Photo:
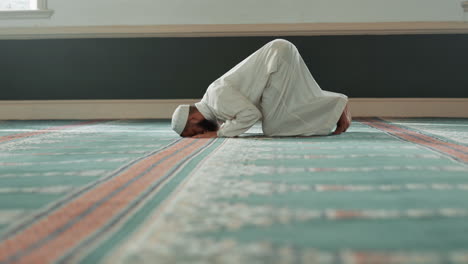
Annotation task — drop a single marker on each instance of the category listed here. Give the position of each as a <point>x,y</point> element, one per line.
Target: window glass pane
<point>15,4</point>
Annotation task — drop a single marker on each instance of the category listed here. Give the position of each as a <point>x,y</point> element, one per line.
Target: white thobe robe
<point>273,85</point>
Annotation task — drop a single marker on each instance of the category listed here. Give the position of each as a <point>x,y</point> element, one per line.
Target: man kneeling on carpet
<point>273,85</point>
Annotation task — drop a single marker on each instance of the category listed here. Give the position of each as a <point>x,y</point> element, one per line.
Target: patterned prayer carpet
<point>131,191</point>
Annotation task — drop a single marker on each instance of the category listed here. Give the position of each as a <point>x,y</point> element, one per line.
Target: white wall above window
<point>22,9</point>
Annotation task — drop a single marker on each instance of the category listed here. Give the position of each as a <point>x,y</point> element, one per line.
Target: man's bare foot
<point>344,122</point>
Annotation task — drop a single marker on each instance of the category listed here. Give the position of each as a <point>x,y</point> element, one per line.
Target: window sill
<point>26,14</point>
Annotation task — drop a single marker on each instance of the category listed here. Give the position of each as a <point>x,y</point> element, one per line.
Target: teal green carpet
<point>132,191</point>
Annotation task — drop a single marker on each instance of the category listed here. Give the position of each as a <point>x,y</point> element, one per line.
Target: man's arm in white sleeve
<point>243,115</point>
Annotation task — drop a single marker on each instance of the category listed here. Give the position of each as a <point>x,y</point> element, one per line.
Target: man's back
<point>272,84</point>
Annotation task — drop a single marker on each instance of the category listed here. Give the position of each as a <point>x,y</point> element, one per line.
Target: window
<point>15,5</point>
<point>465,8</point>
<point>11,9</point>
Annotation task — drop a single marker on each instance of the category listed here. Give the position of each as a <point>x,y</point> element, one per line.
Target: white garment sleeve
<point>240,114</point>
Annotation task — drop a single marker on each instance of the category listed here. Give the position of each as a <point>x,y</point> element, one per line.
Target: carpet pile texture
<point>131,191</point>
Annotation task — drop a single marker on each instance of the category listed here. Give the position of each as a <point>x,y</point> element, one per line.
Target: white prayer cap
<point>179,118</point>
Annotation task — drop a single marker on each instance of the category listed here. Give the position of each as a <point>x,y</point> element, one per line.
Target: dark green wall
<point>175,68</point>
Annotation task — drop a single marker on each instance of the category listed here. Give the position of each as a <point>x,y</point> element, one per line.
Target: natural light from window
<point>20,9</point>
<point>18,4</point>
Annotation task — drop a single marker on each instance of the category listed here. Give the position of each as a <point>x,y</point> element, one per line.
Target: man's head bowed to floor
<point>187,121</point>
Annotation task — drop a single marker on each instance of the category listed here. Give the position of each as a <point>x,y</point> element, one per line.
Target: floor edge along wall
<point>161,109</point>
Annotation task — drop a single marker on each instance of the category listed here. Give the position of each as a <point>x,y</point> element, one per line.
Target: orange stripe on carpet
<point>45,131</point>
<point>456,151</point>
<point>34,245</point>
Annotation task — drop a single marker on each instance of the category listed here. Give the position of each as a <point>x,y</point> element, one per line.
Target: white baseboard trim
<point>161,109</point>
<point>409,107</point>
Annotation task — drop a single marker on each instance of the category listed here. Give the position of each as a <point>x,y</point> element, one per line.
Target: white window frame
<point>465,8</point>
<point>38,10</point>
